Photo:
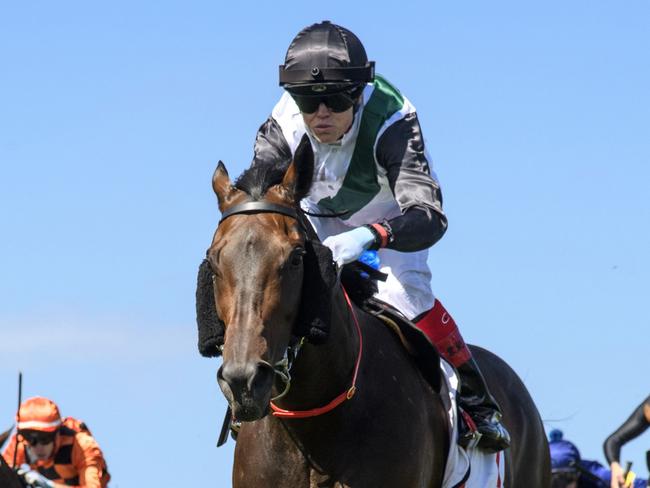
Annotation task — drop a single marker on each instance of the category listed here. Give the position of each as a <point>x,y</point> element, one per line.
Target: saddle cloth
<point>471,468</point>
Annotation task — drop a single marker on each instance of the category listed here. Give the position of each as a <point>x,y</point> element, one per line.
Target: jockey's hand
<point>618,475</point>
<point>348,246</point>
<point>34,478</point>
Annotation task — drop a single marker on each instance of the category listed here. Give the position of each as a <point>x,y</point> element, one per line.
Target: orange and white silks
<point>77,459</point>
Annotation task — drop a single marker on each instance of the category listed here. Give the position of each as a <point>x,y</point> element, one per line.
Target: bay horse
<point>4,436</point>
<point>358,412</point>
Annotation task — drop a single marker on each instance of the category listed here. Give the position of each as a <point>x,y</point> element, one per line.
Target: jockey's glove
<point>34,478</point>
<point>348,246</point>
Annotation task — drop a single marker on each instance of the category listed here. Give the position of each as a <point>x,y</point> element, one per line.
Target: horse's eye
<point>216,272</point>
<point>296,256</point>
<point>213,259</point>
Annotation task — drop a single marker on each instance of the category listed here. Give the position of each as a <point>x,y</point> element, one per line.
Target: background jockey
<point>570,471</point>
<point>633,427</point>
<point>54,452</point>
<point>371,165</point>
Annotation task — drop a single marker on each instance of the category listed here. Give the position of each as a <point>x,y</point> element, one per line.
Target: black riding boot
<point>475,398</point>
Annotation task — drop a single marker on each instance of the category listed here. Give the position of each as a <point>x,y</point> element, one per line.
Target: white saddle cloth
<point>472,468</point>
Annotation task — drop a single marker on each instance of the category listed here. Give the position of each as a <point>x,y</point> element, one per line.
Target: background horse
<point>387,426</point>
<point>4,436</point>
<point>8,477</point>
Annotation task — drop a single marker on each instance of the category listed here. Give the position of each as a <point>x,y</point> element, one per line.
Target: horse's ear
<point>221,183</point>
<point>299,174</point>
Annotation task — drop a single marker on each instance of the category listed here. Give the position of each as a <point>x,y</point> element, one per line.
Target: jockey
<point>633,427</point>
<point>53,452</point>
<point>372,170</point>
<point>570,471</point>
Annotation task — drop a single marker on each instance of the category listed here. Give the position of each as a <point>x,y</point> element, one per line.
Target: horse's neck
<point>8,478</point>
<point>4,436</point>
<point>322,372</point>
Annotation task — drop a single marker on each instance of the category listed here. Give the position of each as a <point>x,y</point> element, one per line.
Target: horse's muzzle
<point>247,387</point>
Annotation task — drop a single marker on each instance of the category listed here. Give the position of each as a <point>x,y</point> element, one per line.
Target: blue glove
<point>348,246</point>
<point>34,478</point>
<point>370,258</point>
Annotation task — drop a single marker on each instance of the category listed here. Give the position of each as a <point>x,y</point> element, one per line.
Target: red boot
<point>474,396</point>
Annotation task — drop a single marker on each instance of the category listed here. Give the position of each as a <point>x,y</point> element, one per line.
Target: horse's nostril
<point>236,375</point>
<point>246,379</point>
<point>263,378</point>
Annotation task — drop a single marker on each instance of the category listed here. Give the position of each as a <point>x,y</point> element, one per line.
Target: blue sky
<point>113,116</point>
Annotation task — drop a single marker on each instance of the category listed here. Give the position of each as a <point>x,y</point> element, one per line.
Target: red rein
<point>346,395</point>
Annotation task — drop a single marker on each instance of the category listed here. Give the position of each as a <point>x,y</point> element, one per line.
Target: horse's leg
<point>528,460</point>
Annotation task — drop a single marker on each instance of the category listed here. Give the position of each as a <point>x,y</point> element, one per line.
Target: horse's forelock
<point>259,178</point>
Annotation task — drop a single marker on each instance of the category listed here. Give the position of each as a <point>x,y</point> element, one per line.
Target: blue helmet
<point>564,454</point>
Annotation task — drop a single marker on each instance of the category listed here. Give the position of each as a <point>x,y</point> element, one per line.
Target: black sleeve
<point>633,427</point>
<point>270,145</point>
<point>400,150</point>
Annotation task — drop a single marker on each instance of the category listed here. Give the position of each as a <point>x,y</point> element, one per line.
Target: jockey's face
<point>328,126</point>
<point>42,452</point>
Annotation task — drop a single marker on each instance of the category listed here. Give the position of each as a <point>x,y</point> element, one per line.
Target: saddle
<point>426,358</point>
<point>487,469</point>
<point>422,351</point>
<point>362,280</point>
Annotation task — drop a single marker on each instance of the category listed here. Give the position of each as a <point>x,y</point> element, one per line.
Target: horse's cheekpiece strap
<point>259,207</point>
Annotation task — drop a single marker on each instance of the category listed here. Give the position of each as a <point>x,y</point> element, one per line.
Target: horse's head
<point>257,260</point>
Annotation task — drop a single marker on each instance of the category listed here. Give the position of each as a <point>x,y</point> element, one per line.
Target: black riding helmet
<point>325,59</point>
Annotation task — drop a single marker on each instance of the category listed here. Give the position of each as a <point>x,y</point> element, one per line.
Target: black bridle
<point>259,207</point>
<point>255,207</point>
<point>282,368</point>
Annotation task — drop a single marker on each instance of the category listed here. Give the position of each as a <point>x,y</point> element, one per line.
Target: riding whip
<point>20,399</point>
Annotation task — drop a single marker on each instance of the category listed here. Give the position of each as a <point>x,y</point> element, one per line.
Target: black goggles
<point>34,439</point>
<point>336,102</point>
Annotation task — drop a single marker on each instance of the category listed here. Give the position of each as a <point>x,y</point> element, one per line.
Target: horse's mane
<point>256,180</point>
<point>262,175</point>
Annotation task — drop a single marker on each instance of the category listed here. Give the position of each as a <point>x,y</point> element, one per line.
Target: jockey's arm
<point>633,427</point>
<point>89,461</point>
<point>89,477</point>
<point>270,145</point>
<point>400,151</point>
<point>9,450</point>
